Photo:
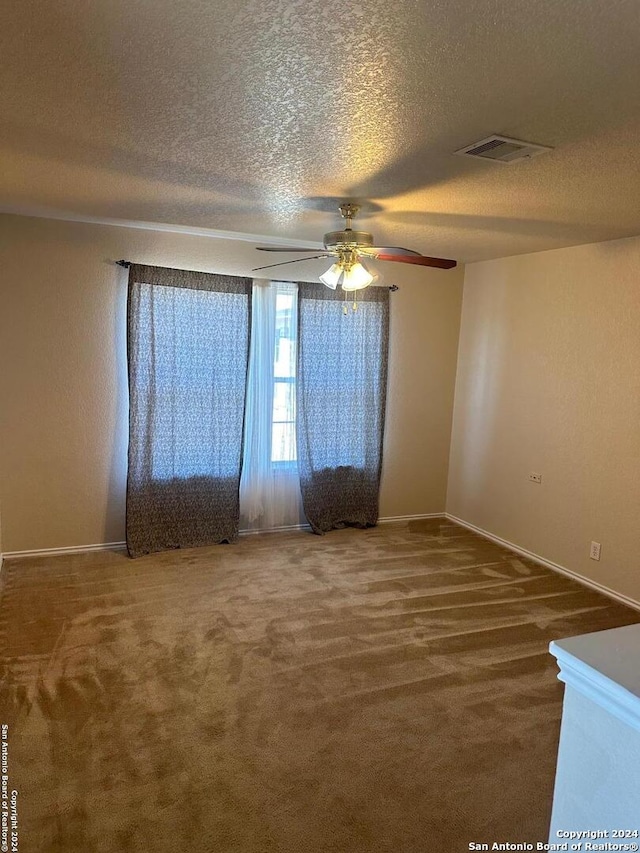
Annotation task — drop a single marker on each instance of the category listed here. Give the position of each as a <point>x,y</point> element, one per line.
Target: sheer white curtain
<point>270,483</point>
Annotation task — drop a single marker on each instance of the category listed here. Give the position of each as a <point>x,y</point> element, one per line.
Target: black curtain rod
<point>127,264</point>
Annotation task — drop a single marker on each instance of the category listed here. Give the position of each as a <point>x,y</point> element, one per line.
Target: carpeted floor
<point>379,690</point>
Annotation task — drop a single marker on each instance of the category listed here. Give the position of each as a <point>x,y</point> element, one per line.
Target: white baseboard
<point>283,529</point>
<point>511,546</point>
<point>73,549</point>
<point>121,546</point>
<point>388,519</point>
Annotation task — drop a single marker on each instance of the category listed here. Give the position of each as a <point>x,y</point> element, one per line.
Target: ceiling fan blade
<point>294,261</point>
<point>387,250</point>
<point>422,260</point>
<point>282,249</point>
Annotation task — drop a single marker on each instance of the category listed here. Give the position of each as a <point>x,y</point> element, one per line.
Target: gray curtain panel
<point>188,345</point>
<point>342,382</point>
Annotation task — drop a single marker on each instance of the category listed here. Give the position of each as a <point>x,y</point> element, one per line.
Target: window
<point>283,434</point>
<point>270,486</point>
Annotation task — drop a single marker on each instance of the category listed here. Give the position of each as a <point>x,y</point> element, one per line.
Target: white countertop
<point>605,667</point>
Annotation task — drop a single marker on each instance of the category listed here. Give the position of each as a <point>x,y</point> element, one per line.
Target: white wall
<point>63,390</point>
<point>549,381</point>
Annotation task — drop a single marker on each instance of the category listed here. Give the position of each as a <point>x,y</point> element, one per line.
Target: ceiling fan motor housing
<point>348,239</point>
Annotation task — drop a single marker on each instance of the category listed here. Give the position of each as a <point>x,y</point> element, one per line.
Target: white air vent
<point>502,149</point>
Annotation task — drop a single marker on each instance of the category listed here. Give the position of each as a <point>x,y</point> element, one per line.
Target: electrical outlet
<point>594,551</point>
<point>535,478</point>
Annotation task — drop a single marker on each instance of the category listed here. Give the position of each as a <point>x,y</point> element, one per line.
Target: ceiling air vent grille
<point>502,149</point>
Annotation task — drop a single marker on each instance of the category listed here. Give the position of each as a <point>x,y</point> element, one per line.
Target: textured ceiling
<point>258,117</point>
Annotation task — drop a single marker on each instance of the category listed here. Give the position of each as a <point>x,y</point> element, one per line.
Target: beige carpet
<point>379,690</point>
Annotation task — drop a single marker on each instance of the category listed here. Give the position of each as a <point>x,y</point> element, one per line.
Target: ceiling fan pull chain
<point>354,306</point>
<point>345,310</point>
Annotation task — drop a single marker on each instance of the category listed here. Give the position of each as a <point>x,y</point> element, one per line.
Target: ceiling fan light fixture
<point>331,277</point>
<point>357,277</point>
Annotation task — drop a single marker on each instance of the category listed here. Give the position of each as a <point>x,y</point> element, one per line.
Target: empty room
<point>319,426</point>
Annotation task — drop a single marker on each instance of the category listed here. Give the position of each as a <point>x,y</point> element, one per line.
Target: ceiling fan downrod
<point>348,212</point>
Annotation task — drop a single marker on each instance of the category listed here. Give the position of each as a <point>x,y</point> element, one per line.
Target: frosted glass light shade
<point>332,276</point>
<point>356,278</point>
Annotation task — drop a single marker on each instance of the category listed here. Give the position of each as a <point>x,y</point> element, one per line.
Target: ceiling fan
<point>351,248</point>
